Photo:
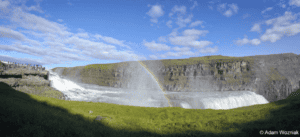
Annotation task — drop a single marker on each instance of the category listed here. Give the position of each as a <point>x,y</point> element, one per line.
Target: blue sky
<point>58,33</point>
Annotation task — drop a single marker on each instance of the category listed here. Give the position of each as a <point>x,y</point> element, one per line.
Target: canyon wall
<point>274,76</point>
<point>18,75</point>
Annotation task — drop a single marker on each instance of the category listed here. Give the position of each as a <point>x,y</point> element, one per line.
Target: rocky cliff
<point>273,76</point>
<point>28,80</point>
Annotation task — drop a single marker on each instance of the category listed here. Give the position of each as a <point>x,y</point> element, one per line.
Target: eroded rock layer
<point>273,76</point>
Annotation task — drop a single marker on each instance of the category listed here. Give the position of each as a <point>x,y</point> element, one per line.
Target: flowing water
<point>146,92</point>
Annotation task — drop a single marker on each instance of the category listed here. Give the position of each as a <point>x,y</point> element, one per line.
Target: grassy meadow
<point>29,115</point>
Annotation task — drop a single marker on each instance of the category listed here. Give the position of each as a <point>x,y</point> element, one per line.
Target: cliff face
<point>28,79</point>
<point>273,76</point>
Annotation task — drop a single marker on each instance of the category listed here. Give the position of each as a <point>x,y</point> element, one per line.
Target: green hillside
<point>36,116</point>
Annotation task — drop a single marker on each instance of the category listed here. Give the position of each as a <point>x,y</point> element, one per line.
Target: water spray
<point>156,79</point>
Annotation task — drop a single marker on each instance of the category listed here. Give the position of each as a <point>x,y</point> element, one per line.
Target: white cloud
<point>58,41</point>
<point>169,24</point>
<point>195,4</point>
<point>267,9</point>
<point>162,39</point>
<point>200,44</point>
<point>242,42</point>
<point>112,40</point>
<point>23,49</point>
<point>54,44</point>
<point>255,42</point>
<point>228,13</point>
<point>189,38</point>
<point>282,20</point>
<point>83,35</point>
<point>46,36</point>
<point>189,41</point>
<point>70,50</point>
<point>182,40</point>
<point>276,33</point>
<point>246,15</point>
<point>187,53</point>
<point>233,8</point>
<point>22,60</point>
<point>153,57</point>
<point>281,4</point>
<point>174,33</point>
<point>40,51</point>
<point>256,27</point>
<point>181,10</point>
<point>34,8</point>
<point>155,12</point>
<point>281,26</point>
<point>97,50</point>
<point>23,6</point>
<point>182,22</point>
<point>80,30</point>
<point>222,6</point>
<point>177,54</point>
<point>5,11</point>
<point>9,33</point>
<point>196,23</point>
<point>33,42</point>
<point>189,32</point>
<point>4,4</point>
<point>295,2</point>
<point>209,50</point>
<point>181,49</point>
<point>210,6</point>
<point>271,37</point>
<point>35,23</point>
<point>59,20</point>
<point>247,41</point>
<point>211,2</point>
<point>156,46</point>
<point>163,56</point>
<point>112,55</point>
<point>154,20</point>
<point>87,44</point>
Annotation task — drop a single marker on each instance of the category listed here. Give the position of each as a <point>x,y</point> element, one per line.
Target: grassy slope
<point>32,115</point>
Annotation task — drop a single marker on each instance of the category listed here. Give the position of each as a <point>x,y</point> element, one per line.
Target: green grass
<point>24,114</point>
<point>44,91</point>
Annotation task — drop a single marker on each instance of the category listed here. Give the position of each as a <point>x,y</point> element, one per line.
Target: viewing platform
<point>16,70</point>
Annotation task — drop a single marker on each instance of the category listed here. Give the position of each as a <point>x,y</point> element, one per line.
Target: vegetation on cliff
<point>266,75</point>
<point>107,74</point>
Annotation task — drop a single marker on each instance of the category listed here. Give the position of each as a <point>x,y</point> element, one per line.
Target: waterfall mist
<point>144,91</point>
<point>141,80</point>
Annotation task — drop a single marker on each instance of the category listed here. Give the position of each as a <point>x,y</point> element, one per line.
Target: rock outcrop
<point>273,76</point>
<point>27,80</point>
<point>19,73</point>
<point>32,81</point>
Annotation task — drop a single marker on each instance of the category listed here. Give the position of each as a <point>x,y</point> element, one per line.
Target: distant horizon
<point>146,60</point>
<point>77,33</point>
